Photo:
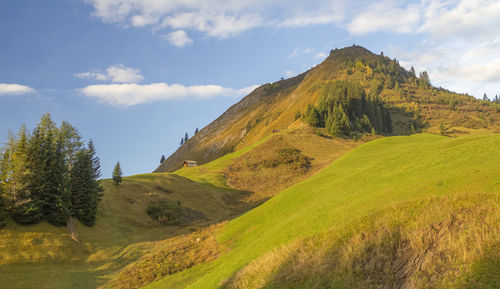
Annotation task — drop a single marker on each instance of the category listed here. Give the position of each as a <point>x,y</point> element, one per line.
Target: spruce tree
<point>162,159</point>
<point>186,137</point>
<point>182,141</point>
<point>117,174</point>
<point>72,142</point>
<point>55,194</point>
<point>85,185</point>
<point>3,214</point>
<point>196,131</point>
<point>17,189</point>
<point>297,115</point>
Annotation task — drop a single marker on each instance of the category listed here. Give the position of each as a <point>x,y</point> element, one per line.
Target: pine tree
<point>182,141</point>
<point>297,115</point>
<point>56,195</point>
<point>196,131</point>
<point>412,72</point>
<point>3,214</point>
<point>186,137</point>
<point>85,185</point>
<point>425,81</point>
<point>117,174</point>
<point>72,142</point>
<point>442,130</point>
<point>17,189</point>
<point>162,159</point>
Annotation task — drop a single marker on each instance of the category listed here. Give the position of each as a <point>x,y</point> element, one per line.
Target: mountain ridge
<point>415,105</point>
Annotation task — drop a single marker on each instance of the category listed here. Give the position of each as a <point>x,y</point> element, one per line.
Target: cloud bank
<point>465,34</point>
<point>123,95</point>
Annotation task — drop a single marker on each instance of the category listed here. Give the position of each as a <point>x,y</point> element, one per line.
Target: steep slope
<point>414,105</point>
<point>426,198</point>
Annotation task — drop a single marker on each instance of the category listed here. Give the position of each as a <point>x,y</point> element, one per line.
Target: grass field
<point>385,200</point>
<point>43,256</point>
<point>380,176</point>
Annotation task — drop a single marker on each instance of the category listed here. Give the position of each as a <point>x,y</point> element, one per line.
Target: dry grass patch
<point>449,242</point>
<point>169,256</point>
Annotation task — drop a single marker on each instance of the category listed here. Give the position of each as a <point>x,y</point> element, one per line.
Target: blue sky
<point>135,75</point>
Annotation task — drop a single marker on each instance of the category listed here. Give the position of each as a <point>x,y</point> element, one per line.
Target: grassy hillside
<point>274,106</point>
<point>393,196</point>
<point>44,256</point>
<point>126,245</point>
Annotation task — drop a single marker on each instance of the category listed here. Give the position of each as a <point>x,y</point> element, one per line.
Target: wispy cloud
<point>299,51</point>
<point>386,16</point>
<point>218,18</point>
<point>321,55</point>
<point>123,95</point>
<point>115,73</point>
<point>179,38</point>
<point>14,89</point>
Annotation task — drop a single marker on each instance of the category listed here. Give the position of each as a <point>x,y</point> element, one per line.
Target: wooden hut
<point>190,163</point>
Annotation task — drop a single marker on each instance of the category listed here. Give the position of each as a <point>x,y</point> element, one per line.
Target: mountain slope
<point>414,105</point>
<point>385,176</point>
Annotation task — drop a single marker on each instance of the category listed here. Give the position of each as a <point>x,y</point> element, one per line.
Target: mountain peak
<point>350,51</point>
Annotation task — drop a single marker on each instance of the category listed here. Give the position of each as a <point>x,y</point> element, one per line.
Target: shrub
<point>165,212</point>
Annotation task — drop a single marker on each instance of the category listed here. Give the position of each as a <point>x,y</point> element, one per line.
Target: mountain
<point>375,206</point>
<point>414,105</point>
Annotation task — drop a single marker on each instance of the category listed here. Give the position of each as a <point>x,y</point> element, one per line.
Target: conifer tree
<point>196,131</point>
<point>72,142</point>
<point>186,137</point>
<point>182,141</point>
<point>3,214</point>
<point>117,174</point>
<point>17,189</point>
<point>297,115</point>
<point>85,185</point>
<point>162,159</point>
<point>55,201</point>
<point>36,175</point>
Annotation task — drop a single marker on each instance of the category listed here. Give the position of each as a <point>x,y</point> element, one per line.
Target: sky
<point>136,75</point>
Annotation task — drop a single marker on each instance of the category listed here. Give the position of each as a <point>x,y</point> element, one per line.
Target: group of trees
<point>49,174</point>
<point>495,99</point>
<point>344,108</point>
<point>185,138</point>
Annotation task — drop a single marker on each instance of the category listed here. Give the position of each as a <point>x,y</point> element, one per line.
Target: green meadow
<point>380,176</point>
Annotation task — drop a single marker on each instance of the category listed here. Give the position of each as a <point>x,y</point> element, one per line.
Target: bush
<point>165,212</point>
<point>26,214</point>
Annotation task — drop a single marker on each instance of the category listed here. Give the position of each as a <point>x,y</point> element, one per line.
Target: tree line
<point>49,174</point>
<point>344,108</point>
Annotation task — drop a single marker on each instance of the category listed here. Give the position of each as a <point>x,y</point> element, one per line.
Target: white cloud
<point>321,55</point>
<point>220,25</point>
<point>306,20</point>
<point>459,41</point>
<point>143,20</point>
<point>299,51</point>
<point>462,19</point>
<point>179,38</point>
<point>115,73</point>
<point>14,89</point>
<point>386,16</point>
<point>218,18</point>
<point>132,94</point>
